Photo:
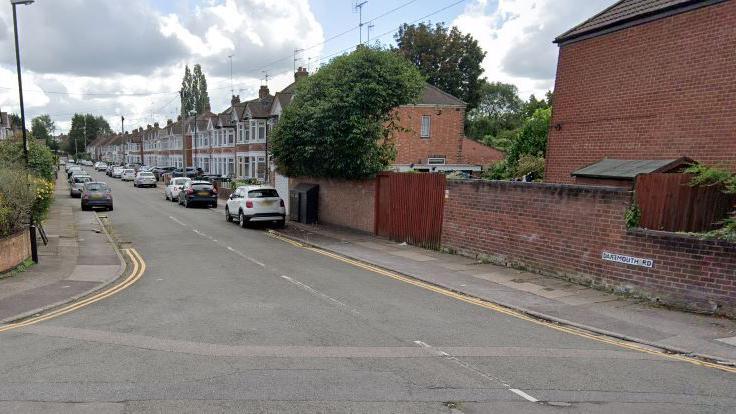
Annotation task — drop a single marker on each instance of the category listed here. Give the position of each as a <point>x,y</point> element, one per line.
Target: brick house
<point>646,80</point>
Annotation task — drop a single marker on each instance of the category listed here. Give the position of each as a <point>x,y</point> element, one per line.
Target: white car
<point>171,192</point>
<point>255,203</point>
<point>144,179</point>
<point>128,174</point>
<point>117,172</point>
<point>101,166</point>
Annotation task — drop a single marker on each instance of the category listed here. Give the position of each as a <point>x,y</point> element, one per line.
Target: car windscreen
<point>263,193</point>
<point>146,174</point>
<point>80,180</point>
<point>201,186</point>
<point>180,181</point>
<point>128,171</point>
<point>95,187</point>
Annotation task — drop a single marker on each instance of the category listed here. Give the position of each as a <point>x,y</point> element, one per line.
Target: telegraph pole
<point>359,7</point>
<point>232,90</point>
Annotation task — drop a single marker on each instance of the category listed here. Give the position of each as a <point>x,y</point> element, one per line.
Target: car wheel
<point>84,208</point>
<point>166,197</point>
<point>109,208</point>
<point>243,222</point>
<point>228,217</point>
<point>214,205</point>
<point>281,224</point>
<point>186,203</point>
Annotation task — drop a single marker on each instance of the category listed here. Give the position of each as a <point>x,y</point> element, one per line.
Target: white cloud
<point>517,36</point>
<point>86,47</point>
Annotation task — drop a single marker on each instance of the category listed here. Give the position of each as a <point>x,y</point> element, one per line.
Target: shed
<point>622,173</point>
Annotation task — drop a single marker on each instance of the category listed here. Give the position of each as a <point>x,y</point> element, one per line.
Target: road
<point>226,319</point>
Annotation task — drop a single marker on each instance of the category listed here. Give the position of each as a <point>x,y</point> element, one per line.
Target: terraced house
<point>235,141</point>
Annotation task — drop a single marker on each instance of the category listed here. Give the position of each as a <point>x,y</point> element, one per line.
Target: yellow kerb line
<point>507,311</point>
<point>139,267</point>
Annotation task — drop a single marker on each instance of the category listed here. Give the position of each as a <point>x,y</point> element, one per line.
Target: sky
<point>127,58</point>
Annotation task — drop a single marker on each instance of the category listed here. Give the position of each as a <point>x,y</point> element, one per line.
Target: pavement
<point>78,260</point>
<point>708,337</point>
<point>235,320</point>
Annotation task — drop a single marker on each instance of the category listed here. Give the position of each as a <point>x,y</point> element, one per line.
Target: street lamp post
<point>31,225</point>
<point>194,140</point>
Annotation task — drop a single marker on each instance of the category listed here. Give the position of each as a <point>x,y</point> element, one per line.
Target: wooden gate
<point>409,208</point>
<point>669,203</point>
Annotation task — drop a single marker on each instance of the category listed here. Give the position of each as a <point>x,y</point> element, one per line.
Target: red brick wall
<point>15,249</point>
<point>344,203</point>
<point>562,230</point>
<point>478,154</point>
<point>446,134</point>
<point>664,89</point>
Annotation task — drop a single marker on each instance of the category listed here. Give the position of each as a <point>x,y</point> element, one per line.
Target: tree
<point>533,104</point>
<point>448,59</point>
<point>40,159</point>
<point>193,93</point>
<point>199,89</point>
<point>85,129</point>
<point>43,128</point>
<point>342,120</point>
<point>532,139</point>
<point>499,109</point>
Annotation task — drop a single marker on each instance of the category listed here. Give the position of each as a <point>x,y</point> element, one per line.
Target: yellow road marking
<point>507,311</point>
<point>139,267</point>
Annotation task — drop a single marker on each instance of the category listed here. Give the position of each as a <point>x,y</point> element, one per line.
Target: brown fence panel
<point>409,208</point>
<point>669,203</point>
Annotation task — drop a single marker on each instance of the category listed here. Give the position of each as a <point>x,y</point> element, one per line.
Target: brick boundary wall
<point>344,203</point>
<point>14,250</point>
<point>563,230</point>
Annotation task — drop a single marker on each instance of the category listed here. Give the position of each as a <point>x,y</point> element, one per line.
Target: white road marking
<point>320,294</point>
<point>177,221</point>
<point>465,365</point>
<point>523,395</point>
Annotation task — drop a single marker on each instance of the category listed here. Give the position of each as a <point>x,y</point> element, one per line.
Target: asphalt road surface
<point>231,320</point>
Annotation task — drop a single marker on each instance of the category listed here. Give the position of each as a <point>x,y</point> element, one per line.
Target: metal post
<point>31,224</point>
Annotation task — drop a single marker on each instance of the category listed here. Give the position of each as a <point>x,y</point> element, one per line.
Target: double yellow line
<point>508,311</point>
<point>139,267</point>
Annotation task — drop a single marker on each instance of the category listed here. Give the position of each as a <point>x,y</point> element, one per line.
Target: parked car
<point>101,166</point>
<point>191,172</point>
<point>128,174</point>
<point>96,194</point>
<point>75,173</point>
<point>144,179</point>
<point>77,183</point>
<point>198,192</point>
<point>160,171</point>
<point>72,169</point>
<point>117,172</point>
<point>171,192</point>
<point>255,203</point>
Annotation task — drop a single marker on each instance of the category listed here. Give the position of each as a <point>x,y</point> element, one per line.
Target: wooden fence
<point>409,208</point>
<point>669,203</point>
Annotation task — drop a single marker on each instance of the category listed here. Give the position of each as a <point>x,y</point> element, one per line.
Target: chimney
<point>235,100</point>
<point>169,122</point>
<point>155,124</point>
<point>300,74</point>
<point>178,118</point>
<point>149,126</point>
<point>263,92</point>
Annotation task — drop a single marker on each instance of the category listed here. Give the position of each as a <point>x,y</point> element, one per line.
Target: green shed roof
<point>629,169</point>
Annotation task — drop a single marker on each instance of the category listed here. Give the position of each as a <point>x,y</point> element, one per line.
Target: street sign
<point>629,260</point>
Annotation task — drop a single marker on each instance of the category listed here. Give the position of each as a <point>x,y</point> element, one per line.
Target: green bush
<point>16,201</point>
<point>530,166</point>
<point>234,184</point>
<point>40,159</point>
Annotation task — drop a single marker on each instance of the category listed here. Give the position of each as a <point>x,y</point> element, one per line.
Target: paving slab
<point>79,259</point>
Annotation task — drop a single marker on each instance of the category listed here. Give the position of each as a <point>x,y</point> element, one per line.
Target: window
<point>261,130</point>
<point>246,131</point>
<point>436,161</point>
<point>253,129</point>
<point>230,136</point>
<point>230,166</point>
<point>426,126</point>
<point>240,132</point>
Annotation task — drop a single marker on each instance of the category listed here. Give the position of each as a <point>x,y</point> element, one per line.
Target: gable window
<point>426,126</point>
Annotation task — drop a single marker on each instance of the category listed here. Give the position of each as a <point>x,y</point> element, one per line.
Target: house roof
<point>626,13</point>
<point>260,107</point>
<point>432,95</point>
<point>629,169</point>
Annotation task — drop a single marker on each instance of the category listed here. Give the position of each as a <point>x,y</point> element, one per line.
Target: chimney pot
<point>235,100</point>
<point>300,73</point>
<point>169,122</point>
<point>178,118</point>
<point>155,124</point>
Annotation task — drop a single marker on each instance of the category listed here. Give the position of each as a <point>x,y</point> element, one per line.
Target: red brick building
<point>434,137</point>
<point>646,79</point>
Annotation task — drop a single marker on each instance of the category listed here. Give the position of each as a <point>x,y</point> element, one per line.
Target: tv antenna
<point>358,7</point>
<point>371,26</point>
<point>296,51</point>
